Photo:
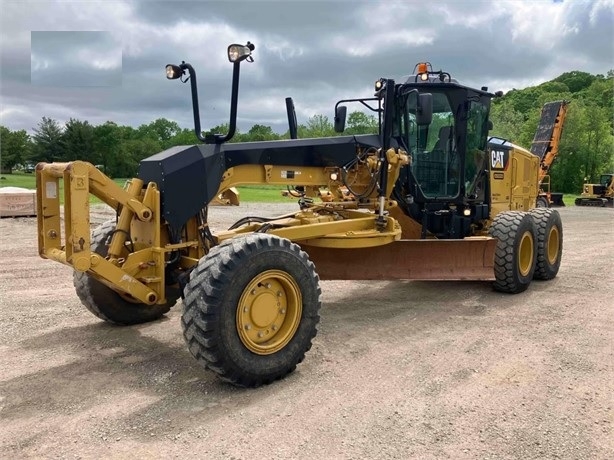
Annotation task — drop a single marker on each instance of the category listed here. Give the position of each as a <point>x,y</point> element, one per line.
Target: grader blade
<point>429,259</point>
<point>229,197</point>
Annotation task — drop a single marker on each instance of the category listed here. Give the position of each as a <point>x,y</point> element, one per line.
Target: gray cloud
<point>317,52</point>
<point>70,58</point>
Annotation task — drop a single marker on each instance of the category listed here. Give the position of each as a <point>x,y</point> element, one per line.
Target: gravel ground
<point>398,369</point>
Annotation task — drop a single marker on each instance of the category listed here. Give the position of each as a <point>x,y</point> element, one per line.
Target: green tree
<point>108,148</point>
<point>134,151</point>
<point>507,122</point>
<point>48,145</point>
<point>223,130</point>
<point>586,149</point>
<point>587,144</point>
<point>260,133</point>
<point>576,80</point>
<point>361,123</point>
<point>161,130</point>
<point>183,137</point>
<point>78,141</point>
<point>317,126</point>
<point>15,147</point>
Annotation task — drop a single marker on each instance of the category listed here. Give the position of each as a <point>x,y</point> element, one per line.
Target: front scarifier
<point>430,197</point>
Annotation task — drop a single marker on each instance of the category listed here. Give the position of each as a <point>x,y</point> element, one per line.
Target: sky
<point>100,60</point>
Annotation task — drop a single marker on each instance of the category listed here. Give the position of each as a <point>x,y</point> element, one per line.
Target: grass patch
<point>262,194</point>
<point>28,181</point>
<point>247,193</point>
<point>569,200</point>
<point>22,180</point>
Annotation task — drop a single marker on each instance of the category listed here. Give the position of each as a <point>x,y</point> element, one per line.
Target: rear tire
<point>549,243</point>
<point>107,304</point>
<point>515,253</point>
<point>251,309</point>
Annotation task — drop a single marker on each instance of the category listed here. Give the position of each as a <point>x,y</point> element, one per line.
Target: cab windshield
<point>436,155</point>
<point>605,179</point>
<point>435,162</point>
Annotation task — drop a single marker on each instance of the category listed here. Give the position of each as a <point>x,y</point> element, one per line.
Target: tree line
<point>118,149</point>
<point>586,149</point>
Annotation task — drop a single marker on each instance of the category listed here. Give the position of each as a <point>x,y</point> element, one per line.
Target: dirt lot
<point>398,369</point>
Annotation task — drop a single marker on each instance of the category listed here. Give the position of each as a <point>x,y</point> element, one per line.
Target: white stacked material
<point>17,202</point>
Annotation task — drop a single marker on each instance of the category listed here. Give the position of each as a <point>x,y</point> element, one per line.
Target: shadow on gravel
<point>384,300</point>
<point>110,365</point>
<point>108,362</point>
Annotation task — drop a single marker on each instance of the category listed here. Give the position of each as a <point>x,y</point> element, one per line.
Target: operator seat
<point>445,141</point>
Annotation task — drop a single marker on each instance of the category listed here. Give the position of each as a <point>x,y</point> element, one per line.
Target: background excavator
<point>430,197</point>
<point>601,194</point>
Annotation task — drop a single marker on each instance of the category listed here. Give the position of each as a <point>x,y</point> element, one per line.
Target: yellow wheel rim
<point>269,312</point>
<point>525,256</point>
<point>553,245</point>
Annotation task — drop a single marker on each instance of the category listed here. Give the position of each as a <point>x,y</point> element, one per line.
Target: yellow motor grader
<point>430,197</point>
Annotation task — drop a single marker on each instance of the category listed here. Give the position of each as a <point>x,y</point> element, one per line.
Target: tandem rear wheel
<point>549,243</point>
<point>251,309</point>
<point>516,250</point>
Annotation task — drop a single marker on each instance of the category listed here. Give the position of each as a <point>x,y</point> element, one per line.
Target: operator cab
<point>445,185</point>
<point>443,126</point>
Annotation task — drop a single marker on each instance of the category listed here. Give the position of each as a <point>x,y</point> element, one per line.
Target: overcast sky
<point>104,60</point>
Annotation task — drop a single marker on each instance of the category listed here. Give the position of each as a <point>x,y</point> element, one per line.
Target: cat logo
<point>498,159</point>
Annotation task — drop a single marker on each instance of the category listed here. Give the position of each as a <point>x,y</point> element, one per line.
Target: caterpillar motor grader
<point>431,197</point>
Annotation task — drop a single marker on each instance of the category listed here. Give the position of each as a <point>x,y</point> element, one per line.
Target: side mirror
<point>490,125</point>
<point>424,115</point>
<point>340,114</point>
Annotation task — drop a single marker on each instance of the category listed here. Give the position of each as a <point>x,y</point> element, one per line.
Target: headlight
<point>236,53</point>
<point>173,72</point>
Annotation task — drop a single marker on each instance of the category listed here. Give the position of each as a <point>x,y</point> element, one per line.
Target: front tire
<point>515,253</point>
<point>549,243</point>
<point>107,304</point>
<point>251,309</point>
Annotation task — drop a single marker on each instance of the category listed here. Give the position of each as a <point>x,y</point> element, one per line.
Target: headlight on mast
<point>173,72</point>
<point>237,53</point>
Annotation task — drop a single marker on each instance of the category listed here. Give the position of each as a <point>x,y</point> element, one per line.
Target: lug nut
<point>248,327</point>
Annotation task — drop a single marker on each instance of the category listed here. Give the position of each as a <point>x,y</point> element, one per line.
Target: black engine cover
<point>188,178</point>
